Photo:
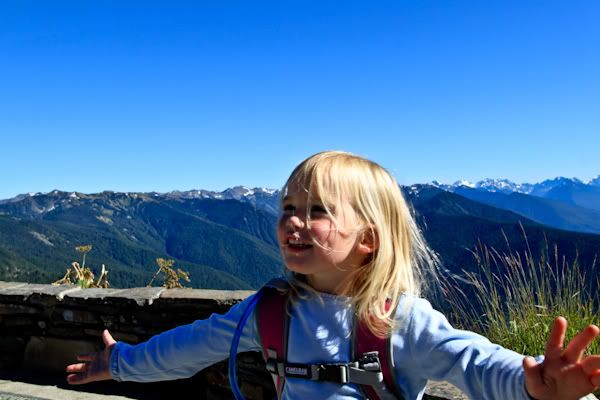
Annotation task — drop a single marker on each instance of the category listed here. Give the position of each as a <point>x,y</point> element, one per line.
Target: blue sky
<point>142,96</point>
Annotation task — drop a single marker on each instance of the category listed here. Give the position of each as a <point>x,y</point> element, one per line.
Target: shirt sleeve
<point>436,350</point>
<point>185,350</point>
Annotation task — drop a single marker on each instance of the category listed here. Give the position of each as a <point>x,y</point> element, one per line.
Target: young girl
<point>350,246</point>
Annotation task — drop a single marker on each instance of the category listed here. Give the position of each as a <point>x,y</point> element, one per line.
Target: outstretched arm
<point>174,354</point>
<point>565,373</point>
<point>95,366</point>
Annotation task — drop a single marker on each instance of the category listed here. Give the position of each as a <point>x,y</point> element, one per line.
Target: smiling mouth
<point>293,244</point>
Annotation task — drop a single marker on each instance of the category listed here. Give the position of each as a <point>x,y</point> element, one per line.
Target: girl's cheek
<point>320,232</point>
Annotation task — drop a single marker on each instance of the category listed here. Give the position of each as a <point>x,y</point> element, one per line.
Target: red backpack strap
<point>273,323</point>
<point>366,343</point>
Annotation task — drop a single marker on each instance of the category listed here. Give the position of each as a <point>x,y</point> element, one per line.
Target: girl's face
<point>324,252</point>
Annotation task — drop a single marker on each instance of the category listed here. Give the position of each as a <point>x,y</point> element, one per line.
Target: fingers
<point>591,365</point>
<point>580,342</point>
<point>107,338</point>
<point>555,342</point>
<point>77,374</point>
<point>595,380</point>
<point>533,375</point>
<point>77,379</point>
<point>95,361</point>
<point>76,367</point>
<point>108,341</point>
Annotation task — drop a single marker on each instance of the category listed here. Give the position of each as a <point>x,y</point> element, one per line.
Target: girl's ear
<point>369,240</point>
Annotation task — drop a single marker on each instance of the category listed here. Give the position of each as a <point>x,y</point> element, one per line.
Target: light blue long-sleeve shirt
<point>425,346</point>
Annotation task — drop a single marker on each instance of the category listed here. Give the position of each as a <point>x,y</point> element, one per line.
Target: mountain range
<point>561,202</point>
<point>227,239</point>
<point>213,239</point>
<point>507,186</point>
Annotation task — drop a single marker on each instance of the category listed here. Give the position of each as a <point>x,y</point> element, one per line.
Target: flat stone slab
<point>28,289</point>
<point>25,391</point>
<point>444,390</point>
<point>141,296</point>
<point>206,294</point>
<point>11,396</point>
<point>10,285</point>
<point>94,293</point>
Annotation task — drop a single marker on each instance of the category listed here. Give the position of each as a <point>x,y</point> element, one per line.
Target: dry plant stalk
<point>172,277</point>
<point>83,276</point>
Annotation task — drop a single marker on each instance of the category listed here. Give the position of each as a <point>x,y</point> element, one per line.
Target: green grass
<point>515,298</point>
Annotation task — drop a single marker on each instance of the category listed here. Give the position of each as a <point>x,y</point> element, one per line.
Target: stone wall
<point>43,327</point>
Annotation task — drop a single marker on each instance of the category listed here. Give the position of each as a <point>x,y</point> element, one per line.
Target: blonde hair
<point>401,257</point>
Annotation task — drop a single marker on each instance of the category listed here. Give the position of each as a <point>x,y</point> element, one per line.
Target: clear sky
<point>177,95</point>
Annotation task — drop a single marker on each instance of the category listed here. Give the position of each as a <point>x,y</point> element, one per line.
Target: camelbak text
<point>296,370</point>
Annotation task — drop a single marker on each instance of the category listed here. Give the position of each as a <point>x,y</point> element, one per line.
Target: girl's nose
<point>295,222</point>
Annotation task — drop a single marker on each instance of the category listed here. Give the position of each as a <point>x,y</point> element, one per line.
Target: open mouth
<point>294,244</point>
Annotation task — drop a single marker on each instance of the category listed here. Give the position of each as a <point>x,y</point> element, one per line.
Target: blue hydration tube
<point>236,341</point>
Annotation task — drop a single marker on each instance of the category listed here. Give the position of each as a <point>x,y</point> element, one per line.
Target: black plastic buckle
<point>271,365</point>
<point>370,361</point>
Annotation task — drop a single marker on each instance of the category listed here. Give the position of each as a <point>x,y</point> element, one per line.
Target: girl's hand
<point>564,374</point>
<point>95,366</point>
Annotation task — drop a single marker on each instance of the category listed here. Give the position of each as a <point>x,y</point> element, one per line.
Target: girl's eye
<point>317,210</point>
<point>289,209</point>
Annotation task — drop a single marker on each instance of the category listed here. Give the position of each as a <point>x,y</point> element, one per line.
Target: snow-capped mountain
<point>595,181</point>
<point>262,198</point>
<point>488,185</point>
<point>506,186</point>
<point>565,203</point>
<point>236,192</point>
<point>37,204</point>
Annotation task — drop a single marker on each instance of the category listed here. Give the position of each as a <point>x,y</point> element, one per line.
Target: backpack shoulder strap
<point>272,321</point>
<point>365,343</point>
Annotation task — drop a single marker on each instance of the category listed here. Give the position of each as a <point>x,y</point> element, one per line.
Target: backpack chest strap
<point>366,371</point>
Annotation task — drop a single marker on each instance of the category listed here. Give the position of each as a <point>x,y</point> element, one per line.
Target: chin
<point>298,269</point>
